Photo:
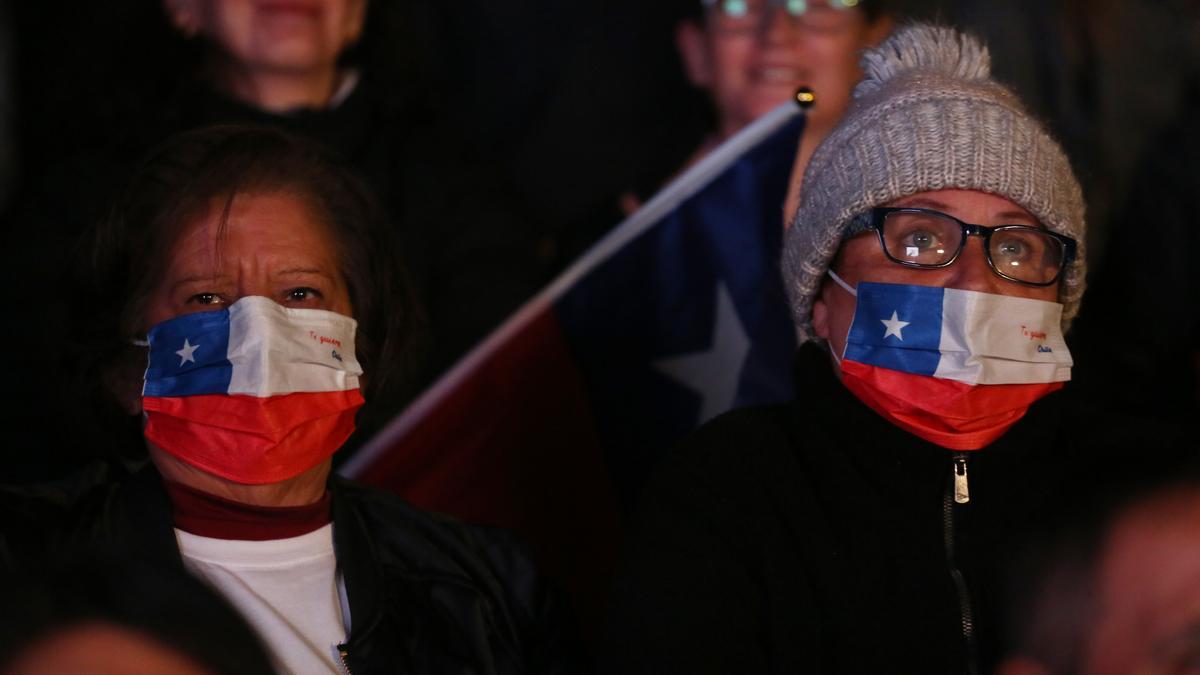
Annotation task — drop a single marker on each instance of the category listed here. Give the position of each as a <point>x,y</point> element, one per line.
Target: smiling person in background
<point>276,55</point>
<point>245,299</point>
<point>752,55</point>
<point>933,266</point>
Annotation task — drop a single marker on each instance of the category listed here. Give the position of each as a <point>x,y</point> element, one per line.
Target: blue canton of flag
<point>687,318</point>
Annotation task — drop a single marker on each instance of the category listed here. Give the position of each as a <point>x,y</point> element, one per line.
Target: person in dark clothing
<point>242,300</point>
<point>933,265</point>
<point>424,592</point>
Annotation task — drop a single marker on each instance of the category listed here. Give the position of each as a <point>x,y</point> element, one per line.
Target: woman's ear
<point>124,383</point>
<point>820,314</point>
<point>692,42</point>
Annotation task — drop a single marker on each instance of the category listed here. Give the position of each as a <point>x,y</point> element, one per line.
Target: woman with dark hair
<point>343,73</point>
<point>244,298</point>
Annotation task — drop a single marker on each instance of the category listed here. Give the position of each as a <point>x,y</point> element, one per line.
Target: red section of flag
<point>513,443</point>
<point>952,414</point>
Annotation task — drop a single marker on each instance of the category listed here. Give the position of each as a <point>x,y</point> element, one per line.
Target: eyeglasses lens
<point>745,15</point>
<point>1027,254</point>
<point>921,238</point>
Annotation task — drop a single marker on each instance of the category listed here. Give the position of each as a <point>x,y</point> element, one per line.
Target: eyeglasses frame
<point>711,5</point>
<point>874,219</point>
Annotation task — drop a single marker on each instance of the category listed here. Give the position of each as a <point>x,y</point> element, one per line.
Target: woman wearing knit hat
<point>934,264</point>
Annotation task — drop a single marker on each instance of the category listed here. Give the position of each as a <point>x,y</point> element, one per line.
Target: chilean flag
<point>928,349</point>
<point>551,424</point>
<point>226,388</point>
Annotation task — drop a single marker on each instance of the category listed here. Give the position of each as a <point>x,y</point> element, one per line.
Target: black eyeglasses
<point>928,239</point>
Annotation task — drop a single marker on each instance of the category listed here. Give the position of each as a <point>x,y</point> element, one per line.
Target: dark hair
<point>159,602</point>
<point>127,253</point>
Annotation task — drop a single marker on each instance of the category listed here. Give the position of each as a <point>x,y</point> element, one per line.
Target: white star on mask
<point>893,326</point>
<point>186,354</point>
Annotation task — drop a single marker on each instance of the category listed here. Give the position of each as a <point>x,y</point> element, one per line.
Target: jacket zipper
<point>341,653</point>
<point>958,492</point>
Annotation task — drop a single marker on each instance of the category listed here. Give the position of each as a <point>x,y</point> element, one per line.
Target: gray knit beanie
<point>927,116</point>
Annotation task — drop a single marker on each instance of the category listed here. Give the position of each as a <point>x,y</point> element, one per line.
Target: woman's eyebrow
<point>303,270</point>
<point>1016,215</point>
<point>927,203</point>
<point>922,202</point>
<point>197,279</point>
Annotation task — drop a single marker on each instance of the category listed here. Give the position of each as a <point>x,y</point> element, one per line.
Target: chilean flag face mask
<point>955,367</point>
<point>254,393</point>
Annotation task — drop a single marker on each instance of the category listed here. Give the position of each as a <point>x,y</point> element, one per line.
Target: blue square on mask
<point>189,356</point>
<point>897,326</point>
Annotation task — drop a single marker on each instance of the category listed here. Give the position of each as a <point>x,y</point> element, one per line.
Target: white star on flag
<point>893,326</point>
<point>185,354</point>
<point>714,372</point>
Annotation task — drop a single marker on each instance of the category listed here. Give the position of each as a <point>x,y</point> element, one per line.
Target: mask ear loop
<point>852,291</point>
<point>842,282</point>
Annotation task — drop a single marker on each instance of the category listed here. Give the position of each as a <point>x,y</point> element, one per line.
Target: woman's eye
<point>1016,248</point>
<point>302,294</point>
<point>205,299</point>
<point>922,239</point>
<point>919,244</point>
<point>1012,249</point>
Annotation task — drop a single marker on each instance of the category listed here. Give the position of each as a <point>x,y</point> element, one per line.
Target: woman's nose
<point>971,271</point>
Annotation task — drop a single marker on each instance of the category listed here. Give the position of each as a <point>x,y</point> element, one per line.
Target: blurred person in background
<point>112,615</point>
<point>752,55</point>
<point>1113,587</point>
<point>244,299</point>
<point>275,56</point>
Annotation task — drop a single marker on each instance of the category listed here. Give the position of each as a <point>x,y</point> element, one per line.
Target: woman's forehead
<point>983,208</point>
<point>275,224</point>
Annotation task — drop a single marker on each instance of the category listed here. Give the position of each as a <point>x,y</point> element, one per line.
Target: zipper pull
<point>339,657</point>
<point>962,493</point>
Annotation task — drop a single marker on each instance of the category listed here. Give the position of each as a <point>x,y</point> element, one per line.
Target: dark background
<point>576,102</point>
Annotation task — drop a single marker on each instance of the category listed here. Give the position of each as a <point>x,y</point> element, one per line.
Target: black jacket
<point>816,537</point>
<point>427,594</point>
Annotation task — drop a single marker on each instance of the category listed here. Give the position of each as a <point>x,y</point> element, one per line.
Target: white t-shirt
<point>288,589</point>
